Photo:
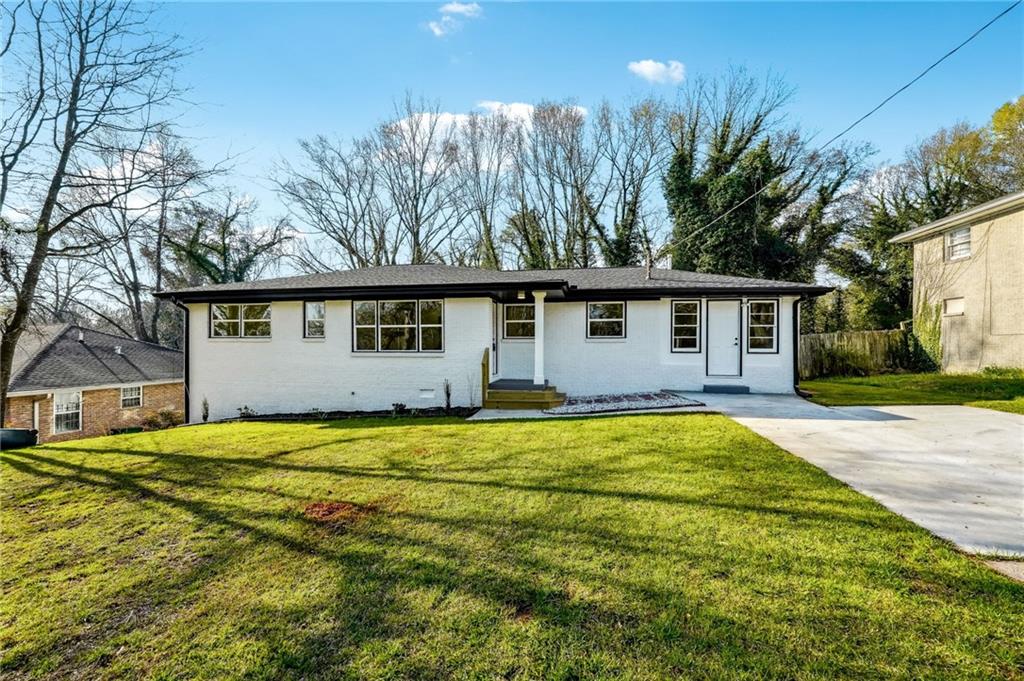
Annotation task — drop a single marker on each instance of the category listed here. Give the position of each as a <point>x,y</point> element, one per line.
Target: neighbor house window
<point>953,307</point>
<point>606,320</point>
<point>313,316</point>
<point>958,243</point>
<point>245,321</point>
<point>67,412</point>
<point>131,396</point>
<point>398,326</point>
<point>761,325</point>
<point>519,321</point>
<point>685,326</point>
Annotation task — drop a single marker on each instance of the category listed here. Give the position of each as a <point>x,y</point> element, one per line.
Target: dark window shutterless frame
<point>622,319</point>
<point>419,327</point>
<point>698,330</point>
<point>774,302</point>
<point>306,319</point>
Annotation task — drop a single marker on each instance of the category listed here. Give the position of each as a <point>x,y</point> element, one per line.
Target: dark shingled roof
<point>596,279</point>
<point>53,358</point>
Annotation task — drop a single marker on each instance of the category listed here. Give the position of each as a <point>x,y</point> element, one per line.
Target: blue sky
<point>265,74</point>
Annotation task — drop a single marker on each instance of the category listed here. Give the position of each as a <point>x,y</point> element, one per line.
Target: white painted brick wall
<point>288,373</point>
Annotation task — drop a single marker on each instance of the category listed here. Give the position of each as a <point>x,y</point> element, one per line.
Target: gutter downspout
<point>185,332</point>
<point>796,344</point>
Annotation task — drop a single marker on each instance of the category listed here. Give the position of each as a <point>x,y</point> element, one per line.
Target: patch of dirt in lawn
<point>341,515</point>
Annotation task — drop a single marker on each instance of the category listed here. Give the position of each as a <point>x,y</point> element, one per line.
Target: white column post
<point>538,337</point>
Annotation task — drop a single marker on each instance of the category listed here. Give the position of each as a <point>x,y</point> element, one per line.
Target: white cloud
<point>658,72</point>
<point>466,9</point>
<point>452,16</point>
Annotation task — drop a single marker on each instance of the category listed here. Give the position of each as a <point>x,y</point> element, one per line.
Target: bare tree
<point>484,155</point>
<point>416,153</point>
<point>338,192</point>
<point>89,79</point>
<point>635,156</point>
<point>556,186</point>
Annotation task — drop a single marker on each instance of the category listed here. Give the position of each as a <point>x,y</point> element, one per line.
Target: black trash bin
<point>13,438</point>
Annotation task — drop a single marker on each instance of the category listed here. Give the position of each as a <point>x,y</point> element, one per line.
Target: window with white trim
<point>314,314</point>
<point>240,321</point>
<point>131,396</point>
<point>958,243</point>
<point>520,321</point>
<point>606,320</point>
<point>685,326</point>
<point>398,326</point>
<point>762,318</point>
<point>67,412</point>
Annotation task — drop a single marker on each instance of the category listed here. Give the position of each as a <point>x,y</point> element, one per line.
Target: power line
<point>856,122</point>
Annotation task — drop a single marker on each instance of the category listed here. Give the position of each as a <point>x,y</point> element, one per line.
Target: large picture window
<point>67,412</point>
<point>519,321</point>
<point>398,326</point>
<point>685,326</point>
<point>958,243</point>
<point>762,325</point>
<point>606,320</point>
<point>313,316</point>
<point>240,321</point>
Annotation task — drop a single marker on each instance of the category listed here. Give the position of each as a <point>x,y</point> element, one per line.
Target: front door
<point>723,338</point>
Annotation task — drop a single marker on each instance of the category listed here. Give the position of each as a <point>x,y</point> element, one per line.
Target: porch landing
<point>512,393</point>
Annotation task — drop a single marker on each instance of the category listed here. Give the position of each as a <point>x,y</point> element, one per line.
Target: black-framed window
<point>520,320</point>
<point>314,314</point>
<point>240,320</point>
<point>762,325</point>
<point>398,326</point>
<point>686,317</point>
<point>606,320</point>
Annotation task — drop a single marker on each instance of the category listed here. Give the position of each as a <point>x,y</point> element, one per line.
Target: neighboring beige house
<point>969,275</point>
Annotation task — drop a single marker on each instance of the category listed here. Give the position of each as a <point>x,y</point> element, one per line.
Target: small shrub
<point>447,396</point>
<point>206,409</point>
<point>398,408</point>
<point>244,412</point>
<point>165,418</point>
<point>317,413</point>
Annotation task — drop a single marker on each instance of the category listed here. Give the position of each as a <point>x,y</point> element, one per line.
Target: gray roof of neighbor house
<point>53,357</point>
<point>992,209</point>
<point>449,280</point>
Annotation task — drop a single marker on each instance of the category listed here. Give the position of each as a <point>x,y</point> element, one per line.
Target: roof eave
<point>346,292</point>
<point>994,208</point>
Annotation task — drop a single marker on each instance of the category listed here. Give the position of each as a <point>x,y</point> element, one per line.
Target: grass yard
<point>646,546</point>
<point>1001,389</point>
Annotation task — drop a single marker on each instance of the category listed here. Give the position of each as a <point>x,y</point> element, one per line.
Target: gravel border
<point>597,404</point>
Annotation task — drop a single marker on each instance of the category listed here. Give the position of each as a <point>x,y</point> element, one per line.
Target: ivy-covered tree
<point>728,145</point>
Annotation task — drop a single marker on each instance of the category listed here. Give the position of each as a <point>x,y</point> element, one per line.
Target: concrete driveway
<point>957,471</point>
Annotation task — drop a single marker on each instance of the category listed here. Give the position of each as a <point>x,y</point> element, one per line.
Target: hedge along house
<point>370,338</point>
<point>69,382</point>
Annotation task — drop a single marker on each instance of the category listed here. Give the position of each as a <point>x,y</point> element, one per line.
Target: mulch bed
<point>430,412</point>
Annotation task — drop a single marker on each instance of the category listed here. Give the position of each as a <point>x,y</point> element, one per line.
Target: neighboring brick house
<point>969,284</point>
<point>69,382</point>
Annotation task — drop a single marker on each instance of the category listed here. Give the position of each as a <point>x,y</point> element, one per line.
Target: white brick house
<point>366,339</point>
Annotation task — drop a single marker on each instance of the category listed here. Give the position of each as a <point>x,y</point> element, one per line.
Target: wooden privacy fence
<point>857,353</point>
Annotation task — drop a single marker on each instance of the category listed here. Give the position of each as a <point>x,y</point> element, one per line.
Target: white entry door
<point>723,338</point>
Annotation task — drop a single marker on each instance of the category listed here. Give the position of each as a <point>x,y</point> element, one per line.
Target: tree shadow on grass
<point>519,581</point>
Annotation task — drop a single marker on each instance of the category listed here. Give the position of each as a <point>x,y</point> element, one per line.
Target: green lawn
<point>651,546</point>
<point>994,389</point>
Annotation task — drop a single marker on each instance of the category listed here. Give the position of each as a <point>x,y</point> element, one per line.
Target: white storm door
<point>723,338</point>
